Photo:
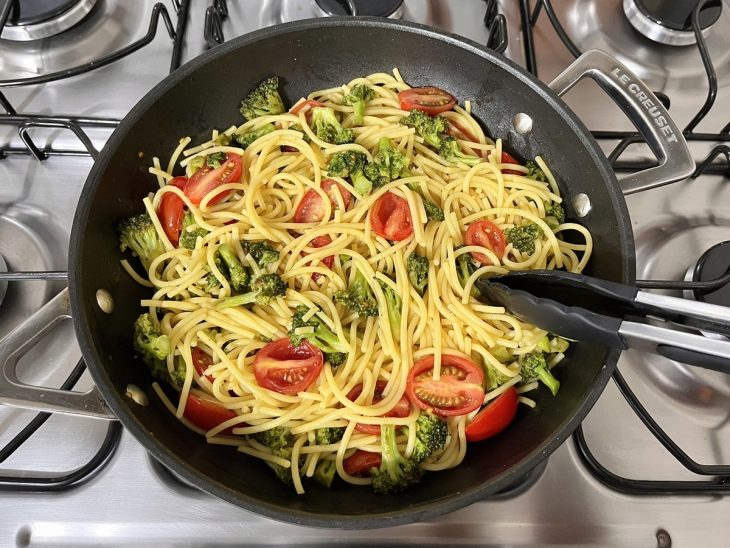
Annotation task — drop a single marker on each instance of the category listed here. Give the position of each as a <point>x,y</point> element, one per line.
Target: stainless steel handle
<point>645,111</point>
<point>15,393</point>
<point>685,347</point>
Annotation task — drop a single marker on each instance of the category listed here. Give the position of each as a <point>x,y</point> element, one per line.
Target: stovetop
<point>134,501</point>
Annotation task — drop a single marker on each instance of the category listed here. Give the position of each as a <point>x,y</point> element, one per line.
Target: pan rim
<point>421,511</point>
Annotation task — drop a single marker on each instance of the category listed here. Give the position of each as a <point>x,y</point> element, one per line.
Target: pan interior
<point>307,56</point>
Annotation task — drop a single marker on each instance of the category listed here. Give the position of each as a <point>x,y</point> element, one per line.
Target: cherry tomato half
<point>287,369</point>
<point>360,463</point>
<point>172,210</point>
<point>390,218</point>
<point>322,241</point>
<point>494,418</point>
<point>201,362</point>
<point>485,234</point>
<point>431,100</point>
<point>457,392</point>
<point>508,159</point>
<point>207,179</point>
<point>311,207</point>
<point>401,409</point>
<point>206,415</point>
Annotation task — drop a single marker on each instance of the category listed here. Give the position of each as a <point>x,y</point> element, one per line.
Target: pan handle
<point>16,393</point>
<point>647,113</point>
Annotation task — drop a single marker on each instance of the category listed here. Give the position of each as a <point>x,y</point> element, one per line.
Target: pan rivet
<point>105,301</point>
<point>582,205</point>
<point>136,394</point>
<point>522,123</point>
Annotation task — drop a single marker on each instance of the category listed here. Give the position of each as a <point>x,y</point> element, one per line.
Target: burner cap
<point>376,8</point>
<point>713,264</point>
<point>36,19</point>
<point>670,21</point>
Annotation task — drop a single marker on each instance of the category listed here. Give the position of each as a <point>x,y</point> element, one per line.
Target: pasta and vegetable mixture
<point>313,274</point>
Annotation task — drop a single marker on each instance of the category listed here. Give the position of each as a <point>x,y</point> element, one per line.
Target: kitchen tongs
<point>615,315</point>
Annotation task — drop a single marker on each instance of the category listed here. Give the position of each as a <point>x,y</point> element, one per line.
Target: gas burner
<point>602,24</point>
<point>376,8</point>
<point>37,19</point>
<point>670,22</point>
<point>711,265</point>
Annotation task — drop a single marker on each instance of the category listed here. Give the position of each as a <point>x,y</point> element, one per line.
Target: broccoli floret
<point>237,273</point>
<point>335,359</point>
<point>417,266</point>
<point>464,269</point>
<point>394,304</point>
<point>152,346</point>
<point>325,472</point>
<point>450,151</point>
<point>391,162</point>
<point>523,237</point>
<point>248,137</point>
<point>264,288</point>
<point>278,437</point>
<point>359,297</point>
<point>350,163</point>
<point>534,172</point>
<point>179,371</point>
<point>263,100</point>
<point>188,238</point>
<point>359,95</point>
<point>315,331</point>
<point>534,367</point>
<point>326,126</point>
<point>138,233</point>
<point>216,159</point>
<point>428,127</point>
<point>396,472</point>
<point>280,440</point>
<point>554,215</point>
<point>328,436</point>
<point>431,435</point>
<point>262,252</point>
<point>374,176</point>
<point>212,283</point>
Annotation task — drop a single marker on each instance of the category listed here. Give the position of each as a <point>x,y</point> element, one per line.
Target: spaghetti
<point>214,347</point>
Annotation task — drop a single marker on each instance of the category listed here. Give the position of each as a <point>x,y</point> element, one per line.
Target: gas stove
<point>82,482</point>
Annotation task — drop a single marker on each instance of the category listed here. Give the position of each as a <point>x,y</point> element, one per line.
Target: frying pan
<point>310,55</point>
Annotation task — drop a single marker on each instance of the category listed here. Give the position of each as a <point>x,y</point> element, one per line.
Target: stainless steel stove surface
<point>132,501</point>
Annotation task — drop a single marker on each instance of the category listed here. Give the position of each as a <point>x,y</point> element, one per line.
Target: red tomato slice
<point>430,100</point>
<point>321,241</point>
<point>485,234</point>
<point>207,179</point>
<point>494,418</point>
<point>305,104</point>
<point>390,218</point>
<point>172,211</point>
<point>401,409</point>
<point>457,392</point>
<point>206,415</point>
<point>332,188</point>
<point>201,362</point>
<point>287,369</point>
<point>311,207</point>
<point>360,463</point>
<point>508,159</point>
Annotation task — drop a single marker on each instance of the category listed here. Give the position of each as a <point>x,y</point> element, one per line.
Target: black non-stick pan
<point>310,55</point>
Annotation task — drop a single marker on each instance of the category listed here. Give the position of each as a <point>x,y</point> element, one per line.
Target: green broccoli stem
<point>362,184</point>
<point>358,111</point>
<point>546,377</point>
<point>394,304</point>
<point>237,300</point>
<point>325,472</point>
<point>391,457</point>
